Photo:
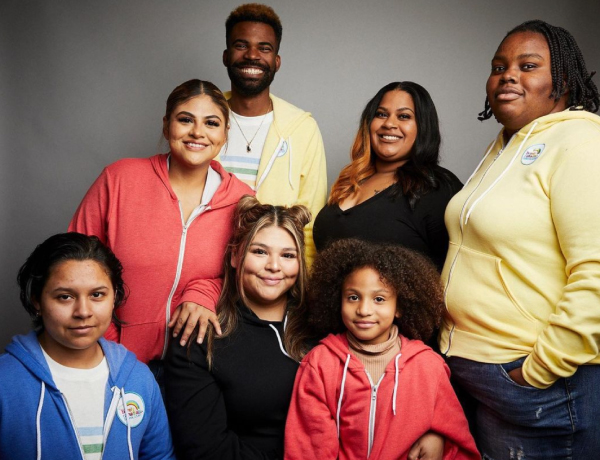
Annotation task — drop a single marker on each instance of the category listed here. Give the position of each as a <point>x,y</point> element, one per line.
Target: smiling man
<point>273,146</point>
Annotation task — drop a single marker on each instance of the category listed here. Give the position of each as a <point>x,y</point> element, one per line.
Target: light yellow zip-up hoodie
<point>522,274</point>
<point>292,168</point>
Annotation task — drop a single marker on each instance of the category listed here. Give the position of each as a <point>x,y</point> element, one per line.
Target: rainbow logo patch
<point>135,407</point>
<point>532,153</point>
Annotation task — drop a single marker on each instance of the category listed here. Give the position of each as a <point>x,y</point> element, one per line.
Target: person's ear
<point>166,128</point>
<point>277,63</point>
<point>37,307</point>
<point>225,57</point>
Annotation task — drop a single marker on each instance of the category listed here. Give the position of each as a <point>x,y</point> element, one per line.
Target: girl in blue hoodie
<point>65,392</point>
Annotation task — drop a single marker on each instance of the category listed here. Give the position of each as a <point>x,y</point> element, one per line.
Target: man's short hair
<point>254,12</point>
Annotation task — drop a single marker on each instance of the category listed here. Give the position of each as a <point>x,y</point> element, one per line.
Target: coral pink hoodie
<point>337,413</point>
<point>133,209</point>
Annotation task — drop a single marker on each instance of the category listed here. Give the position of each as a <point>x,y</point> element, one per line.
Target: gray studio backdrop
<point>84,83</point>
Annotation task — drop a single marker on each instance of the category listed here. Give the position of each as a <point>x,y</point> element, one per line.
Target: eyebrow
<point>68,289</point>
<point>400,109</point>
<point>378,291</point>
<point>242,40</point>
<point>520,56</point>
<point>262,245</point>
<point>194,116</point>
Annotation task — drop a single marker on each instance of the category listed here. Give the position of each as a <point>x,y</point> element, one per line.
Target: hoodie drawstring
<point>274,156</point>
<point>396,383</point>
<point>518,152</point>
<point>38,426</point>
<point>339,407</point>
<point>279,339</point>
<point>290,161</point>
<point>128,425</point>
<point>480,163</point>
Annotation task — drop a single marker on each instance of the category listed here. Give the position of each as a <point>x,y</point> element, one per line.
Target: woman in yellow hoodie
<point>522,275</point>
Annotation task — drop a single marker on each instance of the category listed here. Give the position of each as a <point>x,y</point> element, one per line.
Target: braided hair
<point>567,68</point>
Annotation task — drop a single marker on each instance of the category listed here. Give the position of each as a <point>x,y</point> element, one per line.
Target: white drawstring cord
<point>279,340</point>
<point>128,425</point>
<point>396,384</point>
<point>480,163</point>
<point>339,407</point>
<point>38,425</point>
<point>501,174</point>
<point>290,167</point>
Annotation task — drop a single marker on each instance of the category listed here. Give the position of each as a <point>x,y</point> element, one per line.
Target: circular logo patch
<point>532,153</point>
<point>135,409</point>
<point>283,149</point>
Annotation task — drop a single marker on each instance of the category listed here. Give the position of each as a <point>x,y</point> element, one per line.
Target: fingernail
<point>200,339</point>
<point>182,343</point>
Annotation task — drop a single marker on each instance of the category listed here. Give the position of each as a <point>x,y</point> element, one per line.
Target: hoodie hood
<point>540,124</point>
<point>338,344</point>
<point>28,351</point>
<point>227,194</point>
<point>286,117</point>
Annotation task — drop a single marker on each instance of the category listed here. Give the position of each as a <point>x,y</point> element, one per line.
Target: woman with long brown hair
<point>228,397</point>
<point>393,191</point>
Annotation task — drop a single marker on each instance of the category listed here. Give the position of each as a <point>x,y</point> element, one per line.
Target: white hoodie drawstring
<point>128,425</point>
<point>480,163</point>
<point>290,161</point>
<point>339,407</point>
<point>396,384</point>
<point>279,339</point>
<point>501,174</point>
<point>274,156</point>
<point>38,426</point>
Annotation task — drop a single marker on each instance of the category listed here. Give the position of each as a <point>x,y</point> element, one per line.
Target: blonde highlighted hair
<point>420,173</point>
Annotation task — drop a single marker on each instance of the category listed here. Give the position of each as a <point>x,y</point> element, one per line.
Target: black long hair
<point>420,173</point>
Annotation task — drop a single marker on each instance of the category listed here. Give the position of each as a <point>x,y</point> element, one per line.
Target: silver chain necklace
<point>249,142</point>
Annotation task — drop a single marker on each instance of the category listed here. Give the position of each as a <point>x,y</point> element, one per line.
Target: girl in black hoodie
<point>228,397</point>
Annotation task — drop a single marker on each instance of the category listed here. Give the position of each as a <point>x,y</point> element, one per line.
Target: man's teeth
<point>252,70</point>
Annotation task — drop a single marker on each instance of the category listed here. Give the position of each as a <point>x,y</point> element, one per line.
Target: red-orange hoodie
<point>337,413</point>
<point>133,209</point>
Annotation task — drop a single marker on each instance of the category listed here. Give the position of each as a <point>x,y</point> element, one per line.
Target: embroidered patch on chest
<point>135,409</point>
<point>532,153</point>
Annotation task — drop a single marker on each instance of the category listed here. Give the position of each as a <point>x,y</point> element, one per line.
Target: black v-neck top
<point>385,218</point>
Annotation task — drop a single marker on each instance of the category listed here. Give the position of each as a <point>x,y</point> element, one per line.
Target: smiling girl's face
<point>369,306</point>
<point>270,270</point>
<point>76,306</point>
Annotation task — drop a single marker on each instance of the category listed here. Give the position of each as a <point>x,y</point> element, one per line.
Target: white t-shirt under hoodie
<point>84,391</point>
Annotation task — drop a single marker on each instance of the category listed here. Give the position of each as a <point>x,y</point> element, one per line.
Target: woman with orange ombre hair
<point>393,191</point>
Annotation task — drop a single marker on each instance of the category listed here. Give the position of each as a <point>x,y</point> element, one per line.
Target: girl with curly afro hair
<point>372,388</point>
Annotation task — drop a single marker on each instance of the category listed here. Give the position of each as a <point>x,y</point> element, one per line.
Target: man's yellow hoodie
<point>522,274</point>
<point>292,167</point>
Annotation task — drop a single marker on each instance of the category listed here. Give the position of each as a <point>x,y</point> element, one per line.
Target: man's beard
<point>250,85</point>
